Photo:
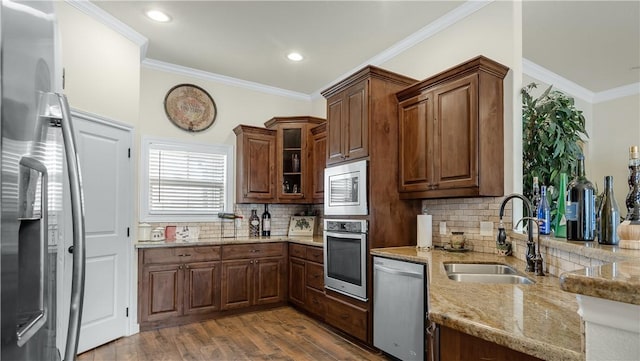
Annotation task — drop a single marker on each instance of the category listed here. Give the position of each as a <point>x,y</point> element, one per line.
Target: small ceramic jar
<point>144,232</point>
<point>457,240</point>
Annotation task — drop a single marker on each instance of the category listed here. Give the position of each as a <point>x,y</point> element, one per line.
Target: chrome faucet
<point>537,261</point>
<point>502,234</point>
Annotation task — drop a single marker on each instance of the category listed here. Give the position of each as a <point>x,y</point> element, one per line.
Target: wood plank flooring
<point>276,334</point>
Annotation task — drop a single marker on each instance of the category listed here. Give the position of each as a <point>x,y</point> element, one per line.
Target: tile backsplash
<point>465,215</point>
<point>280,215</point>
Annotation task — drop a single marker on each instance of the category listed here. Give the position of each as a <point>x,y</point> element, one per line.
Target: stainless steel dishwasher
<point>399,308</point>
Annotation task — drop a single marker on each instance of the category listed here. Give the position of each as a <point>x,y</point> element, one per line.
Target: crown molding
<point>207,76</point>
<point>616,93</point>
<point>107,19</point>
<point>543,74</point>
<point>410,41</point>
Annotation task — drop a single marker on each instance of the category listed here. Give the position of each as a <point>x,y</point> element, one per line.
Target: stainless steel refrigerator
<point>37,152</point>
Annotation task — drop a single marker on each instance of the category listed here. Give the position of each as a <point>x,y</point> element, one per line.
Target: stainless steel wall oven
<point>345,257</point>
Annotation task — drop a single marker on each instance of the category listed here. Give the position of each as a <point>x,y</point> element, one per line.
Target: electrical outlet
<point>486,228</point>
<point>443,228</point>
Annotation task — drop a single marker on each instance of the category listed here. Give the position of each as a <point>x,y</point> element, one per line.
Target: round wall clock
<point>190,107</point>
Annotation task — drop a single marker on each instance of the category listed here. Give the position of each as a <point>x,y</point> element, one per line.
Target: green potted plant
<point>552,134</point>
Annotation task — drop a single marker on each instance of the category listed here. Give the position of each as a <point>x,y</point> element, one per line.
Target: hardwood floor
<point>276,334</point>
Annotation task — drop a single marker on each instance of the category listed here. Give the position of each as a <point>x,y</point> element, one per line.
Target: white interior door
<point>103,149</point>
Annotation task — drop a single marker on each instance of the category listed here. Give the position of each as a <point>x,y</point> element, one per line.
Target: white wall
<point>616,127</point>
<point>235,106</point>
<point>102,68</point>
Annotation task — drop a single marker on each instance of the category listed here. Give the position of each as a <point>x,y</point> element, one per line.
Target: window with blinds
<point>185,180</point>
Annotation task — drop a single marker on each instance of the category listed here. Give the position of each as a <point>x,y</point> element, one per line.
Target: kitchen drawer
<point>180,254</point>
<point>296,250</point>
<point>252,250</point>
<point>348,318</point>
<point>315,254</point>
<point>315,302</point>
<point>315,276</point>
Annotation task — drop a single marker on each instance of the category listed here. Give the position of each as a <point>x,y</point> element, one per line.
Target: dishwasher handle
<point>395,271</point>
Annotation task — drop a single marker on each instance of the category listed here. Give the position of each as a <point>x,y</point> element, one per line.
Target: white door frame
<point>133,326</point>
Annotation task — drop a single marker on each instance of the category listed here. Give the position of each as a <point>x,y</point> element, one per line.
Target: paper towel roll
<point>424,231</point>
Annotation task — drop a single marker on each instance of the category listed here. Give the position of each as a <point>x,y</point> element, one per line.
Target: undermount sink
<point>484,273</point>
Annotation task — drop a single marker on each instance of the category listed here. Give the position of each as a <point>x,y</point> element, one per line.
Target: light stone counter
<point>618,281</point>
<point>538,319</point>
<point>310,241</point>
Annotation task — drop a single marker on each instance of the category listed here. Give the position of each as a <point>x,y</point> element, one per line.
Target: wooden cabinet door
<point>256,164</point>
<point>236,286</point>
<point>202,287</point>
<point>415,171</point>
<point>162,292</point>
<point>318,161</point>
<point>455,141</point>
<point>297,281</point>
<point>355,137</point>
<point>269,280</point>
<point>335,128</point>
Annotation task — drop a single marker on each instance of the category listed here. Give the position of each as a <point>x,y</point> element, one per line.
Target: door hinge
<point>127,231</point>
<point>127,311</point>
<point>129,153</point>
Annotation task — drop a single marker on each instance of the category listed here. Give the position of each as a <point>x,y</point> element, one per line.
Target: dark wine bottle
<point>266,222</point>
<point>608,215</point>
<point>581,207</point>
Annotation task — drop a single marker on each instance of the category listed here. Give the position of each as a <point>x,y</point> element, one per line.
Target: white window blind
<point>185,180</point>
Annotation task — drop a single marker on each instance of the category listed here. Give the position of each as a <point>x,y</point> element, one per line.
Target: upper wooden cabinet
<point>318,161</point>
<point>255,164</point>
<point>294,171</point>
<point>350,106</point>
<point>451,133</point>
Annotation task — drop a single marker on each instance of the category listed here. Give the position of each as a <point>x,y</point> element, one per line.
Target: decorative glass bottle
<point>581,207</point>
<point>633,197</point>
<point>608,215</point>
<point>544,212</point>
<point>254,224</point>
<point>560,222</point>
<point>535,193</point>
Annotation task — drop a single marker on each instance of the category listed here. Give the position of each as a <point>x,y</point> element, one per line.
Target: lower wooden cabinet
<point>456,345</point>
<point>178,285</point>
<point>297,286</point>
<point>171,290</point>
<point>347,317</point>
<point>253,281</point>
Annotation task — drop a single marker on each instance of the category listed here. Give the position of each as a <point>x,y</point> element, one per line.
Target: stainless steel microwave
<point>345,189</point>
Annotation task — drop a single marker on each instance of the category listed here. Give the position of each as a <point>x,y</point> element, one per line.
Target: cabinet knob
<point>186,266</point>
<point>251,261</point>
<point>256,261</point>
<point>180,267</point>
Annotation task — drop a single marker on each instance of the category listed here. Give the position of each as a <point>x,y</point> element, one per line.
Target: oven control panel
<point>347,226</point>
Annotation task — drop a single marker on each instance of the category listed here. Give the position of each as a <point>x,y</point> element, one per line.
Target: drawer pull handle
<point>314,301</point>
<point>184,255</point>
<point>344,316</point>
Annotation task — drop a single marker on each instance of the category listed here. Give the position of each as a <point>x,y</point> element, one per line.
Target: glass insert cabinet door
<point>292,153</point>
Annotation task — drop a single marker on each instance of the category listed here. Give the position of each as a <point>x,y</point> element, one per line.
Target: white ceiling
<point>594,44</point>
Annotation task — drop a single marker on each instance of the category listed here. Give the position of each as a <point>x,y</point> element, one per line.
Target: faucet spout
<point>502,235</point>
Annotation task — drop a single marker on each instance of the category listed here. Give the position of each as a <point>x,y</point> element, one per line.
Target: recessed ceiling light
<point>158,16</point>
<point>295,56</point>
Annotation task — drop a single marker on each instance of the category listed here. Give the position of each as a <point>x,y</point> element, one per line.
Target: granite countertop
<point>310,241</point>
<point>618,281</point>
<point>538,319</point>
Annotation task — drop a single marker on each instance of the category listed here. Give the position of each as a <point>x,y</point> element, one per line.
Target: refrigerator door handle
<point>77,215</point>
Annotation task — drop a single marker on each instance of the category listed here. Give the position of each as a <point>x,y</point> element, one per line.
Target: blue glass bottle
<point>544,212</point>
